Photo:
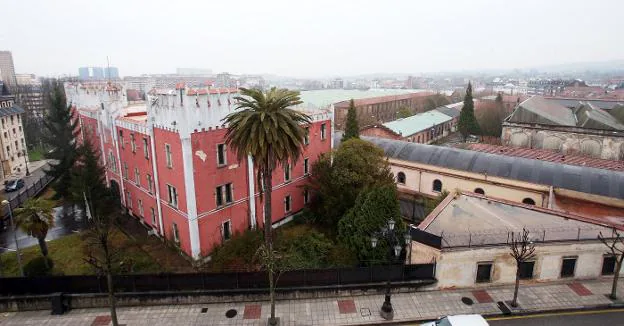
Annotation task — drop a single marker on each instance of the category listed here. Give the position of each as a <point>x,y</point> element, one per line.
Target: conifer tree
<point>352,130</point>
<point>467,124</point>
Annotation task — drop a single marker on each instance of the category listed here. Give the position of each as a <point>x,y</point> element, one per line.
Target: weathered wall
<point>419,178</point>
<point>599,144</point>
<point>458,267</point>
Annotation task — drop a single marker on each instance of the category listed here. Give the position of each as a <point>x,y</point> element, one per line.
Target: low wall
<point>138,299</point>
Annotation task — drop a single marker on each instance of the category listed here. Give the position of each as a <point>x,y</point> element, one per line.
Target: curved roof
<point>583,179</point>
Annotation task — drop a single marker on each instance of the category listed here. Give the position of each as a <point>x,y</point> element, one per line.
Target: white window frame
<point>223,189</point>
<point>287,172</point>
<point>145,148</point>
<point>137,176</point>
<point>229,227</point>
<point>176,232</point>
<point>287,204</point>
<point>306,138</point>
<point>129,199</point>
<point>224,163</point>
<point>132,143</point>
<point>168,156</point>
<point>172,196</point>
<point>153,213</point>
<point>323,131</point>
<point>140,203</point>
<point>150,186</point>
<point>306,166</point>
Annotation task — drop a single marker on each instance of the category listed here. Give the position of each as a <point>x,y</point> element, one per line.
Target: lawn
<point>68,256</point>
<point>35,154</point>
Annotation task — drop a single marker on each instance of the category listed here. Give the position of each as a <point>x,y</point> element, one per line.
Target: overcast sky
<point>308,38</point>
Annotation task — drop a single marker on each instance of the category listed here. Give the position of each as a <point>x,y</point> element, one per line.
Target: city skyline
<point>313,39</point>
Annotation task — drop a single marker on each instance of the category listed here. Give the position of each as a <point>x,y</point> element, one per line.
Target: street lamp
<point>388,234</point>
<point>26,162</point>
<point>17,250</point>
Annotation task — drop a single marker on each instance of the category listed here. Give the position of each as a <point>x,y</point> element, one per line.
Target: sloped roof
<point>417,123</point>
<point>469,219</point>
<point>582,179</point>
<point>546,155</point>
<point>539,110</point>
<point>590,116</point>
<point>451,110</point>
<point>11,110</point>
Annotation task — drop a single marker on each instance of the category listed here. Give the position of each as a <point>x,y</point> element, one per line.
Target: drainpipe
<point>551,197</point>
<point>252,192</point>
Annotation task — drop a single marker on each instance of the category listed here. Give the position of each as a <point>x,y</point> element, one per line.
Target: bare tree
<point>522,250</point>
<point>275,264</point>
<point>101,254</point>
<point>616,248</point>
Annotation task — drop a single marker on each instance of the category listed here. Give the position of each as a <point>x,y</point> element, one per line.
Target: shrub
<point>37,267</point>
<point>237,254</point>
<point>304,247</point>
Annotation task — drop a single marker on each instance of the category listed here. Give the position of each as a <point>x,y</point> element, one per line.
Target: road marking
<point>553,314</point>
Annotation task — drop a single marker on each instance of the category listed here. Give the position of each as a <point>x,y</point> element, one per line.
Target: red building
<point>169,161</point>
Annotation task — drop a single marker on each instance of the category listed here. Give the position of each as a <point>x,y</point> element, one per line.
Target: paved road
<point>577,318</point>
<point>28,181</point>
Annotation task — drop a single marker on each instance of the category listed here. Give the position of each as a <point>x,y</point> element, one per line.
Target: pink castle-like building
<point>167,159</point>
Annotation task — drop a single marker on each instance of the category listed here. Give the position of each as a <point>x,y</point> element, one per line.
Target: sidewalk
<point>339,311</point>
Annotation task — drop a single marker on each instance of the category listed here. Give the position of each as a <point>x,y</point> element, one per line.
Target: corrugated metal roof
<point>574,102</point>
<point>452,110</point>
<point>582,179</point>
<point>591,116</point>
<point>10,111</point>
<point>417,122</point>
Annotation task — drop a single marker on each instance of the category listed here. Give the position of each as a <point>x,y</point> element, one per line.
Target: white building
<point>468,236</point>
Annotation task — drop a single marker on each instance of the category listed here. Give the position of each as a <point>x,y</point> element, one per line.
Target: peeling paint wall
<point>599,144</point>
<point>458,267</point>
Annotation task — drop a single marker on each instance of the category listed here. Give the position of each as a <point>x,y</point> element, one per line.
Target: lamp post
<point>17,250</point>
<point>389,235</point>
<point>26,161</point>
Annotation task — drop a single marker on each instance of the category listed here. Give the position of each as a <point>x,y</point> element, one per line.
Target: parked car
<point>14,185</point>
<point>459,320</point>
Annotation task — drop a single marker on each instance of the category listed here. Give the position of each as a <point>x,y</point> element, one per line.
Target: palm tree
<point>36,217</point>
<point>266,128</point>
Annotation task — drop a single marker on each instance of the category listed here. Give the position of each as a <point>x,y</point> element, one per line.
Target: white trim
<point>116,145</point>
<point>252,184</point>
<point>155,180</point>
<point>191,202</point>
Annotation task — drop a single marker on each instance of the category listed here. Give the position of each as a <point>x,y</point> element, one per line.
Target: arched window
<point>401,178</point>
<point>528,201</point>
<point>437,185</point>
<point>479,191</point>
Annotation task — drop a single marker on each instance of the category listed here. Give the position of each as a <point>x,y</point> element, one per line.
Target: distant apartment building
<point>193,71</point>
<point>7,69</point>
<point>380,109</point>
<point>544,124</point>
<point>337,83</point>
<point>168,161</point>
<point>13,151</point>
<point>98,73</point>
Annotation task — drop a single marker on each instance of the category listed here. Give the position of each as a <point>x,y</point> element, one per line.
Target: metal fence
<point>216,281</point>
<point>26,193</point>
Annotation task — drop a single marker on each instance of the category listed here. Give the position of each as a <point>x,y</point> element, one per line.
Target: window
<point>437,185</point>
<point>226,230</point>
<point>125,170</point>
<point>401,178</point>
<point>526,270</point>
<point>132,143</point>
<point>224,195</point>
<point>287,172</point>
<point>168,156</point>
<point>153,212</point>
<point>176,235</point>
<point>221,155</point>
<point>150,187</point>
<point>528,201</point>
<point>6,135</point>
<point>13,131</point>
<point>306,167</point>
<point>484,272</point>
<point>567,266</point>
<point>112,161</point>
<point>141,208</point>
<point>479,191</point>
<point>287,204</point>
<point>608,265</point>
<point>128,199</point>
<point>137,176</point>
<point>145,148</point>
<point>306,196</point>
<point>323,131</point>
<point>121,139</point>
<point>173,196</point>
<point>306,137</point>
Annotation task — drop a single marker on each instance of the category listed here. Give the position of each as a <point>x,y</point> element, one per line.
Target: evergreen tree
<point>467,124</point>
<point>88,178</point>
<point>352,130</point>
<point>61,137</point>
